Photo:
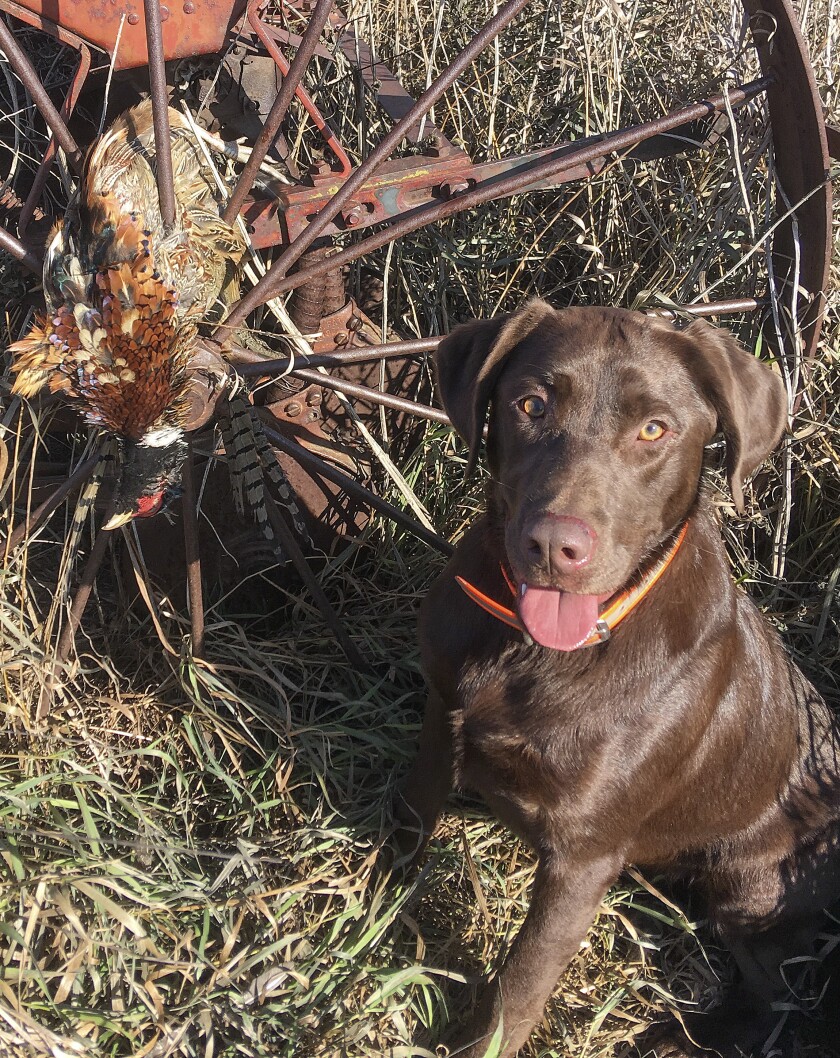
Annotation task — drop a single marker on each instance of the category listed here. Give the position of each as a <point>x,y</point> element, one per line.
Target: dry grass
<point>186,849</point>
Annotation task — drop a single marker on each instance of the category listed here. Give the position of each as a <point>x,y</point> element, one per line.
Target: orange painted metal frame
<point>190,27</point>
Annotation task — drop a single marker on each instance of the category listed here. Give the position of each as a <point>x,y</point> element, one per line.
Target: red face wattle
<point>147,506</point>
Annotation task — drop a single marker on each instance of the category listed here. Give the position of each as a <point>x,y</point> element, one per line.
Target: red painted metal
<point>267,38</point>
<point>405,184</point>
<point>552,165</point>
<point>261,292</point>
<point>21,64</point>
<point>190,27</point>
<point>82,70</point>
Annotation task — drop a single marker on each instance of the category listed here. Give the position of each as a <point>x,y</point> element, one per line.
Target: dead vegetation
<point>186,848</point>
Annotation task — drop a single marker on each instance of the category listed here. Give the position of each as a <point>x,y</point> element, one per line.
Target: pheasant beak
<point>146,507</point>
<point>149,477</point>
<point>116,520</point>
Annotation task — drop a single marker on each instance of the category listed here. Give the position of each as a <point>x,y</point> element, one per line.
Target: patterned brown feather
<point>124,299</point>
<point>117,338</point>
<point>120,357</point>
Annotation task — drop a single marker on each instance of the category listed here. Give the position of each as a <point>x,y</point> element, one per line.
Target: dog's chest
<point>530,741</point>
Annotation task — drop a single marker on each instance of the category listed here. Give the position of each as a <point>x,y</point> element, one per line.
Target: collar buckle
<point>602,630</point>
<point>610,618</point>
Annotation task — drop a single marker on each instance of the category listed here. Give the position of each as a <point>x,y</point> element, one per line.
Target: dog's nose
<point>560,543</point>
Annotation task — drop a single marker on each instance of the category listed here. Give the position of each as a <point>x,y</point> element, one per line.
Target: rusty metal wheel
<point>309,204</point>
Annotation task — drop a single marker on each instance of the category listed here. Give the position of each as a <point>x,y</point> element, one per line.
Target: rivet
<point>133,19</point>
<point>164,13</point>
<point>189,9</point>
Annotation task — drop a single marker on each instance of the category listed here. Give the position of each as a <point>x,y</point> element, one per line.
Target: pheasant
<point>124,302</point>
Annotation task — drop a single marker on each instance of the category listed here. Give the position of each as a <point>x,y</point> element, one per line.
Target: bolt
<point>314,398</point>
<point>354,217</point>
<point>133,19</point>
<point>340,337</point>
<point>292,409</point>
<point>354,323</point>
<point>164,13</point>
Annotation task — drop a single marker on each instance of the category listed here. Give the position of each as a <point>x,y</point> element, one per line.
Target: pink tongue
<point>558,619</point>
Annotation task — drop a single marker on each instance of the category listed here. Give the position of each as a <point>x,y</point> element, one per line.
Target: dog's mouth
<point>559,619</point>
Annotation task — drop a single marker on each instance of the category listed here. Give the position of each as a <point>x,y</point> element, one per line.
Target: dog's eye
<point>652,431</point>
<point>534,407</point>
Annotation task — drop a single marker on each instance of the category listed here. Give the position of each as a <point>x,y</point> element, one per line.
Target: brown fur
<point>688,742</point>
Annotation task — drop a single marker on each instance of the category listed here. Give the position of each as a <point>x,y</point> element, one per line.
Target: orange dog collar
<point>614,614</point>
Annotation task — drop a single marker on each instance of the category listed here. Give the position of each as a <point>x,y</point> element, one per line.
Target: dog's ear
<point>750,400</point>
<point>469,361</point>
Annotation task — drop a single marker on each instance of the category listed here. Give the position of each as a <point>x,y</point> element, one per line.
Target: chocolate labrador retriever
<point>595,674</point>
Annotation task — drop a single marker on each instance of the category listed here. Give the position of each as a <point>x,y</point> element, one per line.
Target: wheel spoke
<point>290,545</point>
<point>74,617</point>
<point>731,307</point>
<point>19,61</point>
<point>251,365</point>
<point>17,250</point>
<point>70,100</point>
<point>160,113</point>
<point>264,290</point>
<point>354,489</point>
<point>558,161</point>
<point>372,396</point>
<point>42,512</point>
<point>193,558</point>
<point>280,106</point>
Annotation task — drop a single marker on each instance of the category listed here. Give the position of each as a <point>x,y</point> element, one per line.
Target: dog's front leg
<point>564,903</point>
<point>421,797</point>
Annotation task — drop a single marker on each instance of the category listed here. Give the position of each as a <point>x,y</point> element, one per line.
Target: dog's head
<point>598,419</point>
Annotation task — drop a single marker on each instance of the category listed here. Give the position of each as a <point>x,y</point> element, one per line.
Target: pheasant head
<point>113,346</point>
